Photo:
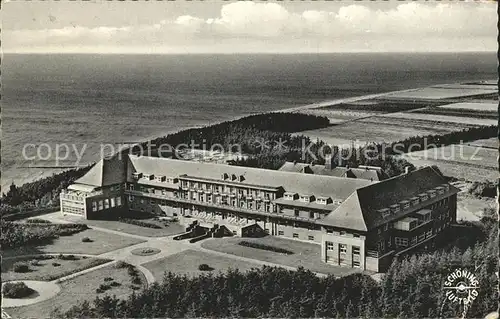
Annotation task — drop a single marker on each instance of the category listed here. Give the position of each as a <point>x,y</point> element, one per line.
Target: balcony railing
<point>221,206</point>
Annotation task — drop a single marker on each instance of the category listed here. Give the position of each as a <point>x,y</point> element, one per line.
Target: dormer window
<point>241,178</point>
<point>160,178</point>
<point>404,204</point>
<point>148,176</point>
<point>432,193</point>
<point>423,197</point>
<point>395,208</point>
<point>233,177</point>
<point>414,200</point>
<point>440,190</point>
<point>446,187</point>
<point>289,196</point>
<point>305,198</point>
<point>384,212</point>
<point>224,176</point>
<point>137,175</point>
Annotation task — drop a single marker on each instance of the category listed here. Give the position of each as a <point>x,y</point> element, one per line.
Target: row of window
<point>72,210</point>
<point>295,235</point>
<point>106,203</point>
<point>227,189</point>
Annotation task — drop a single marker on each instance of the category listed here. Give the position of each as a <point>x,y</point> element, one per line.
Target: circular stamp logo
<point>461,286</point>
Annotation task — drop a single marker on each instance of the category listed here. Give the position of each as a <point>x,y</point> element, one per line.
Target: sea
<point>72,105</point>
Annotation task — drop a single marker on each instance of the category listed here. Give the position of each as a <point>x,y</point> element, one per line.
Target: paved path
<point>166,245</point>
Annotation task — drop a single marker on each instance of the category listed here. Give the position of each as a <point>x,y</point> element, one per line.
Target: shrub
<point>43,257</point>
<point>16,290</point>
<point>67,257</point>
<point>265,247</point>
<point>38,221</point>
<point>86,240</point>
<point>108,279</point>
<point>114,284</point>
<point>205,267</point>
<point>132,271</point>
<point>99,290</point>
<point>34,262</point>
<point>21,267</point>
<point>139,223</point>
<point>56,264</point>
<point>136,280</point>
<point>121,264</point>
<point>134,287</point>
<point>104,287</point>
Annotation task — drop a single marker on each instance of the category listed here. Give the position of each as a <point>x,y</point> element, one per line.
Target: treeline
<point>484,189</point>
<point>412,288</point>
<point>418,143</point>
<point>480,114</point>
<point>31,192</point>
<point>252,134</point>
<point>38,194</point>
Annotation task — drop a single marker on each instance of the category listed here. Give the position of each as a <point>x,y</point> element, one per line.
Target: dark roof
<point>361,173</point>
<point>348,215</point>
<point>363,205</point>
<point>327,186</point>
<point>108,171</point>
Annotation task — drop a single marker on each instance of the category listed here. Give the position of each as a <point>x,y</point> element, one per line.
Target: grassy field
<point>45,270</point>
<point>444,92</point>
<point>77,290</point>
<point>442,118</point>
<point>470,156</point>
<point>472,106</point>
<point>305,254</point>
<point>101,242</point>
<point>376,130</point>
<point>187,262</point>
<point>170,229</point>
<point>460,170</point>
<point>487,143</point>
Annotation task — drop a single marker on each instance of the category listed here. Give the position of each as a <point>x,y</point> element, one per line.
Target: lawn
<point>77,290</point>
<point>442,118</point>
<point>187,263</point>
<point>45,270</point>
<point>487,143</point>
<point>442,92</point>
<point>472,106</point>
<point>101,242</point>
<point>375,129</point>
<point>167,229</point>
<point>305,254</point>
<point>472,155</point>
<point>470,163</point>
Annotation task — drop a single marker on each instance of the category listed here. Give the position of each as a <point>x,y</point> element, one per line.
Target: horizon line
<point>244,53</point>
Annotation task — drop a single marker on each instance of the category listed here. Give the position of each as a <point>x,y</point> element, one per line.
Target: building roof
<point>327,186</point>
<point>360,211</point>
<point>108,171</point>
<point>348,215</point>
<point>368,173</point>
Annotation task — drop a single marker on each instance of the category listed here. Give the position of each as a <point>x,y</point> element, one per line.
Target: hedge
<point>265,247</point>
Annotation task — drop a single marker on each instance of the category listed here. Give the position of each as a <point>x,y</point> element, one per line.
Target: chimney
<point>340,156</point>
<point>407,169</point>
<point>329,161</point>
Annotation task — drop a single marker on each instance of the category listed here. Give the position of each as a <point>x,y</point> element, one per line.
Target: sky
<point>247,26</point>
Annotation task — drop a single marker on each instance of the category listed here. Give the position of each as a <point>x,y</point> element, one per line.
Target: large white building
<point>356,222</point>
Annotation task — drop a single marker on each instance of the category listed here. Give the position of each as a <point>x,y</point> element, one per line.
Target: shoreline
<point>40,175</point>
